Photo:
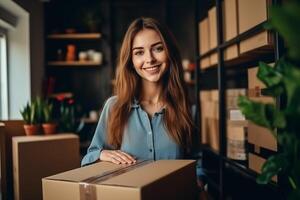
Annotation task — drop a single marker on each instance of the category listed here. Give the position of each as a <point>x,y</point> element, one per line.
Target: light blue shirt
<point>144,137</point>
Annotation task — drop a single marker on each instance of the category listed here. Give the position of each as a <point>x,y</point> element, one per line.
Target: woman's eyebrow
<point>152,45</point>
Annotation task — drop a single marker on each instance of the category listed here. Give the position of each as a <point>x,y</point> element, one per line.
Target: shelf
<point>73,63</point>
<point>89,120</point>
<point>75,36</point>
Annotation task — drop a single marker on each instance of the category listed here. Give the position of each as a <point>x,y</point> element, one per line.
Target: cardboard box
<point>255,86</point>
<point>259,40</point>
<point>231,52</point>
<point>213,59</point>
<point>251,13</point>
<point>212,21</point>
<point>204,36</point>
<point>261,137</point>
<point>256,163</point>
<point>230,25</point>
<point>205,63</point>
<point>163,179</point>
<point>35,157</point>
<point>236,140</point>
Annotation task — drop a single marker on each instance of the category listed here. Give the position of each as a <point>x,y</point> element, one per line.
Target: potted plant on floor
<point>49,125</point>
<point>30,114</point>
<point>282,80</point>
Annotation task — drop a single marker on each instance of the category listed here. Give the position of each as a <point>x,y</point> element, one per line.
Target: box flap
<point>149,173</point>
<point>80,174</point>
<point>44,137</point>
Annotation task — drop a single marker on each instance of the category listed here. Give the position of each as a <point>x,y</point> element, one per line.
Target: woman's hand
<point>116,156</point>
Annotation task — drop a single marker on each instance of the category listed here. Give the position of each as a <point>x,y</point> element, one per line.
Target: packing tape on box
<point>87,187</point>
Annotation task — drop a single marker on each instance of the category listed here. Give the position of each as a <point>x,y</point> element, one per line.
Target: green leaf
<point>272,167</point>
<point>268,75</point>
<point>254,111</point>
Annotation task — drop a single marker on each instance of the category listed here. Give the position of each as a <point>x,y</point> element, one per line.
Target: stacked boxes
<point>247,20</point>
<point>230,26</point>
<point>213,40</point>
<point>260,139</point>
<point>237,18</point>
<point>204,42</point>
<point>236,126</point>
<point>209,101</point>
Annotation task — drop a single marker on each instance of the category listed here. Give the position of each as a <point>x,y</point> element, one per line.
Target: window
<point>3,76</point>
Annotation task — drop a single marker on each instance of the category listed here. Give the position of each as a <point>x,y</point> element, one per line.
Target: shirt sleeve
<point>99,139</point>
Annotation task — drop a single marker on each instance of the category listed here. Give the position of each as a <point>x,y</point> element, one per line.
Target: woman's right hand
<point>116,156</point>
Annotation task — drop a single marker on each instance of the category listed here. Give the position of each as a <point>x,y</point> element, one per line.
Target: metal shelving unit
<point>267,53</point>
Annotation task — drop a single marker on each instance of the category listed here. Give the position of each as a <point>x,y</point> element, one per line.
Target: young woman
<point>149,116</point>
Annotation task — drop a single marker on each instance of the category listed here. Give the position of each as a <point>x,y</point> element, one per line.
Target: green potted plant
<point>282,80</point>
<point>32,116</point>
<point>49,125</point>
<point>67,121</point>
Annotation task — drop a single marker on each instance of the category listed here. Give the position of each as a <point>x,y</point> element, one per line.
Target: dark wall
<point>35,8</point>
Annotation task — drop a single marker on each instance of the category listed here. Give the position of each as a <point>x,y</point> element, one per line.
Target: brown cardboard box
<point>230,19</point>
<point>262,39</point>
<point>251,13</point>
<point>204,36</point>
<point>35,157</point>
<point>209,118</point>
<point>255,86</point>
<point>205,63</point>
<point>231,52</point>
<point>213,59</point>
<point>212,20</point>
<point>163,179</point>
<point>261,137</point>
<point>236,139</point>
<point>230,27</point>
<point>256,163</point>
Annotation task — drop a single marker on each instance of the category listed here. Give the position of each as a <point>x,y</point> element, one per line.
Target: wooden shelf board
<point>75,36</point>
<point>73,63</point>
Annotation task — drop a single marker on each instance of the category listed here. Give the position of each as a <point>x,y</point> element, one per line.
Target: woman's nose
<point>149,57</point>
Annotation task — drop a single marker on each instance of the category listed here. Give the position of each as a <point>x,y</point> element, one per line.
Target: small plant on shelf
<point>282,80</point>
<point>32,116</point>
<point>49,125</point>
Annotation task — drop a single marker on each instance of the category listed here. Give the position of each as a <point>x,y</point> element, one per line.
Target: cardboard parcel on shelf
<point>145,180</point>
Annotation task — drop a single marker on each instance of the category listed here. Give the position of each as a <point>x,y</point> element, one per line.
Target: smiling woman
<point>149,117</point>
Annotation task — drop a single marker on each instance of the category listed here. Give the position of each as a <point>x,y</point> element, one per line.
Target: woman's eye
<point>159,49</point>
<point>138,53</point>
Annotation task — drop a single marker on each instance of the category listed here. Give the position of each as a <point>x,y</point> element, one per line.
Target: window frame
<point>4,107</point>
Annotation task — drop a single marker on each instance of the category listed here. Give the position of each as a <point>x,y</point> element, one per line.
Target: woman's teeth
<point>151,68</point>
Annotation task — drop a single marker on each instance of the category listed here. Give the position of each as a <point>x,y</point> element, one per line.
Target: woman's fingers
<point>116,156</point>
<point>127,157</point>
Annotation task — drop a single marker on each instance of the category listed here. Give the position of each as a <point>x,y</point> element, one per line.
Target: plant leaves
<point>271,168</point>
<point>265,115</point>
<point>268,75</point>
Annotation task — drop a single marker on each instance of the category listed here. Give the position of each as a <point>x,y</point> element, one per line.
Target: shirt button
<point>150,150</point>
<point>149,132</point>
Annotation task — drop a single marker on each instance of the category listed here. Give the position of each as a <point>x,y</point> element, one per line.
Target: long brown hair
<point>177,116</point>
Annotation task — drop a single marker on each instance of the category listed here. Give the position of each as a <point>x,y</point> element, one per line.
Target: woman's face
<point>149,55</point>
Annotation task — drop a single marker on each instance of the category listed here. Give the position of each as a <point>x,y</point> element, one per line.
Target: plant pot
<point>49,128</point>
<point>31,129</point>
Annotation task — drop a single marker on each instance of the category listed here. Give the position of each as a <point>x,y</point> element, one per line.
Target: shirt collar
<point>136,104</point>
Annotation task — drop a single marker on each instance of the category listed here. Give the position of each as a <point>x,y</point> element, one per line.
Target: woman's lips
<point>152,69</point>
